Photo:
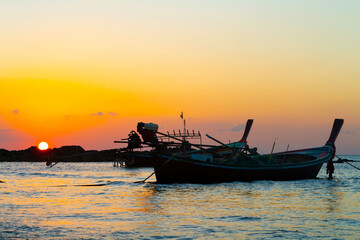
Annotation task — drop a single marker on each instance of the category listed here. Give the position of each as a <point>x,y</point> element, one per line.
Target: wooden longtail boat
<point>134,156</point>
<point>208,167</point>
<point>139,152</point>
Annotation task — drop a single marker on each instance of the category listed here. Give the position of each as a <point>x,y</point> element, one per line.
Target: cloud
<point>6,130</point>
<point>349,132</point>
<point>98,114</point>
<point>237,128</point>
<point>354,131</point>
<point>103,114</point>
<point>6,134</point>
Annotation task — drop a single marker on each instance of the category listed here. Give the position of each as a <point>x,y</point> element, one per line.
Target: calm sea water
<point>97,200</point>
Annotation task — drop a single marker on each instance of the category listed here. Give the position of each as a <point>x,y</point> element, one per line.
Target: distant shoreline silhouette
<point>63,154</point>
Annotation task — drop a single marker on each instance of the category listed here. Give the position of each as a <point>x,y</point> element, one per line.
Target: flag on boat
<point>182,115</point>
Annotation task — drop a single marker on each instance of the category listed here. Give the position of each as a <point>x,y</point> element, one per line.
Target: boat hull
<point>183,170</point>
<point>137,159</point>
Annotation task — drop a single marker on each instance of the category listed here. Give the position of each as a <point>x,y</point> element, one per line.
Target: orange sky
<point>86,74</point>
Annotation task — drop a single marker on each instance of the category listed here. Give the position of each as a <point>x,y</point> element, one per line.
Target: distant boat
<point>140,152</point>
<point>134,154</point>
<point>208,165</point>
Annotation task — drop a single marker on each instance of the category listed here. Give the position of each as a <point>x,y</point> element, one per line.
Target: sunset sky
<point>85,72</point>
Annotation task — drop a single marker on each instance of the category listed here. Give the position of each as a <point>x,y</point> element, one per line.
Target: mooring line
<point>353,166</point>
<point>143,181</point>
<point>340,160</point>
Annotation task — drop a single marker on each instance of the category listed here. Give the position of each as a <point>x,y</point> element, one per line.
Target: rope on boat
<point>154,171</point>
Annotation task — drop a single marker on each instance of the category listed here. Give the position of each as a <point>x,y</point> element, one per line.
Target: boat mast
<point>182,117</point>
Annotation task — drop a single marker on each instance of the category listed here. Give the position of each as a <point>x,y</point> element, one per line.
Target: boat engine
<point>148,132</point>
<point>134,140</point>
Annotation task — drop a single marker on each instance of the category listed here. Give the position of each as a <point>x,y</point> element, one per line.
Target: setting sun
<point>43,146</point>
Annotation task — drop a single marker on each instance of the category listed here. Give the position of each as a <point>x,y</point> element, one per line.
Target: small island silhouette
<point>63,154</point>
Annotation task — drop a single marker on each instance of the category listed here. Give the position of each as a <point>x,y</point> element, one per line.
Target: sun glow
<point>43,146</point>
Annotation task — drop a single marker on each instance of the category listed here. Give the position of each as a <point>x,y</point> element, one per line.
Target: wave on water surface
<point>97,200</point>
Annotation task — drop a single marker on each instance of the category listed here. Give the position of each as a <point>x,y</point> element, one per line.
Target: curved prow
<point>247,130</point>
<point>335,132</point>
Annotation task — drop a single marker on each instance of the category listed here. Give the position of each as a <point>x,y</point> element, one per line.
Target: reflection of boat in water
<point>238,164</point>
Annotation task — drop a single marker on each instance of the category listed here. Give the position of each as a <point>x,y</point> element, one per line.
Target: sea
<point>100,201</point>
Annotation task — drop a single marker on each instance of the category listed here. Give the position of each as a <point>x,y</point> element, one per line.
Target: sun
<point>43,146</point>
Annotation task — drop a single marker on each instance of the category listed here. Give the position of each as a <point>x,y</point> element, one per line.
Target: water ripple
<point>98,201</point>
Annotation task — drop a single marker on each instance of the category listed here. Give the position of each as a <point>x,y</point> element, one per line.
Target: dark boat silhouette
<point>209,165</point>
